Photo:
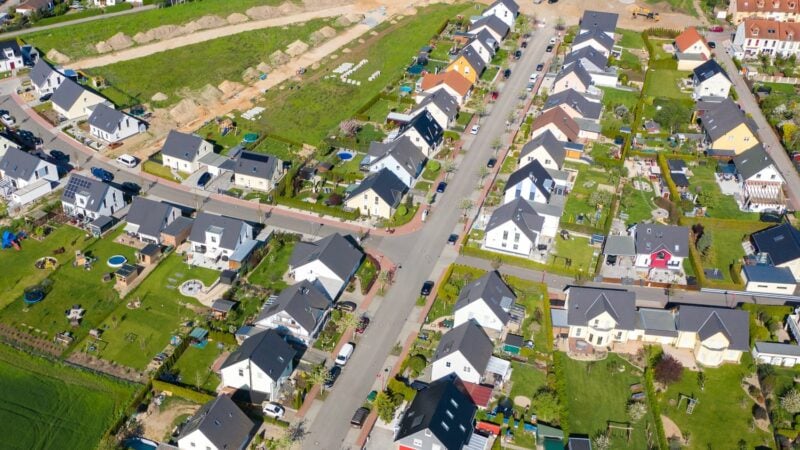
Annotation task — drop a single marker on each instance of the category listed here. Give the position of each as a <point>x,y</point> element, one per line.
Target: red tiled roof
<point>453,79</point>
<point>771,29</point>
<point>561,120</point>
<point>784,6</point>
<point>480,394</point>
<point>688,38</point>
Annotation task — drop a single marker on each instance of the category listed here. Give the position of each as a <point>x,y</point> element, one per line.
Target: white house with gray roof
<point>148,218</point>
<point>505,10</point>
<point>710,80</point>
<point>573,77</point>
<point>217,425</point>
<point>536,183</point>
<point>600,316</point>
<point>515,228</point>
<point>44,78</point>
<point>400,156</point>
<point>328,263</point>
<point>73,101</point>
<point>182,151</point>
<point>596,39</point>
<point>591,59</point>
<point>760,182</point>
<point>493,25</point>
<point>604,22</point>
<point>424,132</point>
<point>216,238</point>
<point>261,364</point>
<point>110,125</point>
<point>90,198</point>
<point>257,171</point>
<point>441,105</point>
<point>776,353</point>
<point>378,195</point>
<point>546,149</point>
<point>464,351</point>
<point>487,301</point>
<point>24,178</point>
<point>299,311</point>
<point>575,104</point>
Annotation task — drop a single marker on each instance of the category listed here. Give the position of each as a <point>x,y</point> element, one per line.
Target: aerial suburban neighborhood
<point>400,224</point>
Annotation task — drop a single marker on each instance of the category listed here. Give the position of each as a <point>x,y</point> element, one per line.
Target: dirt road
<point>572,10</point>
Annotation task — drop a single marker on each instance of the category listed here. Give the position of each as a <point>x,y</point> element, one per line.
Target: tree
<point>386,404</point>
<point>466,206</point>
<point>416,364</point>
<point>545,403</point>
<point>671,114</point>
<point>347,321</point>
<point>318,376</point>
<point>791,401</point>
<point>708,199</point>
<point>668,370</point>
<point>483,172</point>
<point>704,243</point>
<point>601,442</point>
<point>637,410</point>
<point>621,111</point>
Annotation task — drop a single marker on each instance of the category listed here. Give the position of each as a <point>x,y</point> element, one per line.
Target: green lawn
<point>665,83</point>
<point>637,204</point>
<point>442,51</point>
<point>598,393</point>
<point>724,206</point>
<point>78,40</point>
<point>310,113</point>
<point>48,405</point>
<point>630,61</point>
<point>726,248</point>
<point>577,249</point>
<point>526,379</point>
<point>613,97</point>
<point>154,168</point>
<point>173,71</point>
<point>380,109</point>
<point>578,202</point>
<point>269,273</point>
<point>194,366</point>
<point>630,39</point>
<point>722,401</point>
<point>132,337</point>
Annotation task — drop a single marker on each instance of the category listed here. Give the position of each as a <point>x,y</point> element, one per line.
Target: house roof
<point>584,304</point>
<point>474,60</point>
<point>589,54</point>
<point>493,291</point>
<point>221,422</point>
<point>561,120</point>
<point>706,322</point>
<point>599,20</point>
<point>19,165</point>
<point>752,161</point>
<point>755,28</point>
<point>453,79</point>
<point>427,127</point>
<point>550,143</point>
<point>258,165</point>
<point>183,146</point>
<point>493,22</point>
<point>708,70</point>
<point>67,94</point>
<point>776,348</point>
<point>336,252</point>
<point>511,5</point>
<point>12,44</point>
<point>652,237</point>
<point>522,214</point>
<point>408,155</point>
<point>769,274</point>
<point>302,301</point>
<point>679,179</point>
<point>231,229</point>
<point>106,118</point>
<point>385,184</point>
<point>579,71</point>
<point>676,165</point>
<point>41,72</point>
<point>781,243</point>
<point>579,443</point>
<point>221,304</point>
<point>178,225</point>
<point>598,36</point>
<point>94,189</point>
<point>34,4</point>
<point>487,39</point>
<point>583,104</point>
<point>658,322</point>
<point>720,120</point>
<point>534,170</point>
<point>688,38</point>
<point>619,245</point>
<point>471,341</point>
<point>267,350</point>
<point>444,409</point>
<point>445,102</point>
<point>480,394</point>
<point>768,6</point>
<point>151,216</point>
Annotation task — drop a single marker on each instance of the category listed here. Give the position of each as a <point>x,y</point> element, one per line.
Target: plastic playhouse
<point>11,240</point>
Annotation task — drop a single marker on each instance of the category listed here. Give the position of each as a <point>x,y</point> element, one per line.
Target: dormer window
<point>754,31</point>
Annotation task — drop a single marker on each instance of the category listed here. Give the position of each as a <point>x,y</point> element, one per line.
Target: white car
<point>344,354</point>
<point>552,41</point>
<point>8,120</point>
<point>127,160</point>
<point>475,129</point>
<point>272,409</point>
<point>534,77</point>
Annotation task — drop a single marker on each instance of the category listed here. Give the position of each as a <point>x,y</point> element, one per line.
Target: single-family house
<point>465,351</point>
<point>110,125</point>
<point>147,219</point>
<point>505,10</point>
<point>468,63</point>
<point>760,182</point>
<point>441,416</point>
<point>727,128</point>
<point>660,246</point>
<point>757,37</point>
<point>261,364</point>
<point>604,22</point>
<point>514,227</point>
<point>10,55</point>
<point>442,106</point>
<point>535,183</point>
<point>257,171</point>
<point>215,238</point>
<point>487,301</point>
<point>378,195</point>
<point>596,39</point>
<point>779,246</point>
<point>575,104</point>
<point>780,10</point>
<point>591,59</point>
<point>177,232</point>
<point>691,49</point>
<point>28,7</point>
<point>493,25</point>
<point>24,177</point>
<point>485,50</point>
<point>400,156</point>
<point>710,80</point>
<point>73,101</point>
<point>451,82</point>
<point>715,335</point>
<point>544,148</point>
<point>486,38</point>
<point>299,311</point>
<point>558,122</point>
<point>574,77</point>
<point>768,279</point>
<point>90,198</point>
<point>600,316</point>
<point>182,151</point>
<point>218,425</point>
<point>328,263</point>
<point>424,132</point>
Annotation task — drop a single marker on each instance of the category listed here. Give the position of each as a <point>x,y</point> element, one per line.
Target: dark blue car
<point>441,187</point>
<point>102,174</point>
<point>204,179</point>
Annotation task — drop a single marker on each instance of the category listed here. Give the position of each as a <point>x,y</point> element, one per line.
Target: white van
<point>345,353</point>
<point>127,160</point>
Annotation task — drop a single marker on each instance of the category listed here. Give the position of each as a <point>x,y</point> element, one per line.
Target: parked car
<point>539,67</point>
<point>475,129</point>
<point>346,306</point>
<point>58,155</point>
<point>524,44</point>
<point>333,374</point>
<point>131,188</point>
<point>102,174</point>
<point>441,187</point>
<point>359,417</point>
<point>345,353</point>
<point>272,409</point>
<point>45,97</point>
<point>7,119</point>
<point>506,73</point>
<point>716,29</point>
<point>553,40</point>
<point>427,288</point>
<point>518,54</point>
<point>127,160</point>
<point>204,179</point>
<point>712,44</point>
<point>362,325</point>
<point>491,163</point>
<point>529,87</point>
<point>549,49</point>
<point>452,239</point>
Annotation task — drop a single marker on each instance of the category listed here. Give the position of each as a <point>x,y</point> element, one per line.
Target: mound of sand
<point>349,19</point>
<point>289,8</point>
<point>211,21</point>
<point>163,32</point>
<point>264,67</point>
<point>119,41</point>
<point>102,47</point>
<point>328,32</point>
<point>190,28</point>
<point>261,12</point>
<point>159,97</point>
<point>230,88</point>
<point>321,35</point>
<point>277,58</point>
<point>315,66</point>
<point>250,74</point>
<point>296,48</point>
<point>209,95</point>
<point>237,18</point>
<point>57,57</point>
<point>142,38</point>
<point>185,111</point>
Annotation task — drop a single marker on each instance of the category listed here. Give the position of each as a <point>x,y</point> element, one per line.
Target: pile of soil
<point>261,12</point>
<point>237,18</point>
<point>209,95</point>
<point>185,111</point>
<point>189,28</point>
<point>349,19</point>
<point>211,21</point>
<point>321,35</point>
<point>161,33</point>
<point>296,48</point>
<point>102,47</point>
<point>142,38</point>
<point>250,74</point>
<point>277,58</point>
<point>264,68</point>
<point>119,41</point>
<point>57,57</point>
<point>159,97</point>
<point>230,88</point>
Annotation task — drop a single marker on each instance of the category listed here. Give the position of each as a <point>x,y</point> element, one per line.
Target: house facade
<point>487,301</point>
<point>217,425</point>
<point>760,182</point>
<point>441,105</point>
<point>425,133</point>
<point>147,219</point>
<point>469,64</point>
<point>451,82</point>
<point>328,263</point>
<point>263,363</point>
<point>780,10</point>
<point>574,77</point>
<point>544,148</point>
<point>515,227</point>
<point>44,78</point>
<point>726,127</point>
<point>299,312</point>
<point>768,279</point>
<point>464,351</point>
<point>24,178</point>
<point>710,80</point>
<point>110,125</point>
<point>72,101</point>
<point>555,120</point>
<point>216,237</point>
<point>758,37</point>
<point>90,198</point>
<point>505,10</point>
<point>257,171</point>
<point>400,156</point>
<point>378,195</point>
<point>182,151</point>
<point>535,183</point>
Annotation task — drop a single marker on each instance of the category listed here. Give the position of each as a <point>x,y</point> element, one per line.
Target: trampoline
<point>249,138</point>
<point>116,261</point>
<point>33,296</point>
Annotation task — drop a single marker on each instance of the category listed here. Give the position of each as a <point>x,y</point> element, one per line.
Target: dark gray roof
<point>579,443</point>
<point>548,140</point>
<point>781,243</point>
<point>706,322</point>
<point>493,22</point>
<point>67,94</point>
<point>12,44</point>
<point>599,20</point>
<point>151,216</point>
<point>579,70</point>
<point>257,165</point>
<point>658,322</point>
<point>19,164</point>
<point>522,214</point>
<point>752,161</point>
<point>588,53</point>
<point>577,101</point>
<point>535,171</point>
<point>302,301</point>
<point>106,118</point>
<point>402,150</point>
<point>41,72</point>
<point>178,225</point>
<point>488,40</point>
<point>708,69</point>
<point>267,350</point>
<point>777,348</point>
<point>222,423</point>
<point>469,339</point>
<point>221,304</point>
<point>679,179</point>
<point>603,39</point>
<point>474,59</point>
<point>619,245</point>
<point>769,274</point>
<point>95,189</point>
<point>183,146</point>
<point>584,304</point>
<point>493,291</point>
<point>676,165</point>
<point>443,101</point>
<point>510,4</point>
<point>385,184</point>
<point>335,251</point>
<point>231,229</point>
<point>427,127</point>
<point>443,408</point>
<point>722,118</point>
<point>652,237</point>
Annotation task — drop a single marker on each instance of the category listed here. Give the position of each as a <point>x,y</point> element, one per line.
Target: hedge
<point>179,391</point>
<point>561,390</point>
<point>665,174</point>
<point>655,409</point>
<point>466,250</point>
<point>318,208</point>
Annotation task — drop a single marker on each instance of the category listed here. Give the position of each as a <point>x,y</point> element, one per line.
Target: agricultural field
<point>78,40</point>
<point>41,400</point>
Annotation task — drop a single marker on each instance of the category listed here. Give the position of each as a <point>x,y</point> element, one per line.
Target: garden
<point>269,273</point>
<point>715,255</point>
<point>591,197</point>
<point>193,367</point>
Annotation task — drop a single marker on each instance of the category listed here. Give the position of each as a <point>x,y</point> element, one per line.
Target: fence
<point>760,77</point>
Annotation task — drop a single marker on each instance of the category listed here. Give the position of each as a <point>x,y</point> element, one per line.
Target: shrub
<point>637,410</point>
<point>416,364</point>
<point>669,370</point>
<point>791,401</point>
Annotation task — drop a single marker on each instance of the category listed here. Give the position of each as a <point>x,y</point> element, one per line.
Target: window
<point>241,372</point>
<point>599,340</point>
<point>449,413</point>
<point>515,246</point>
<point>596,322</point>
<point>578,332</point>
<point>516,237</point>
<point>454,403</point>
<point>445,426</point>
<point>505,235</point>
<point>447,364</point>
<point>466,369</point>
<point>376,199</point>
<point>418,442</point>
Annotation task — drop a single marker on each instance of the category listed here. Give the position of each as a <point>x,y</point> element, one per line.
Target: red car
<point>362,325</point>
<point>495,94</point>
<point>716,29</point>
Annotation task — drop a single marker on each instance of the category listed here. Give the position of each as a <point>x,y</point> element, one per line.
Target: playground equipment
<point>691,402</point>
<point>11,240</point>
<point>83,260</point>
<point>226,125</point>
<point>46,262</point>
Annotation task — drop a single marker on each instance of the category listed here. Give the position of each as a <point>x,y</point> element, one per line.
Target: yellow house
<point>469,64</point>
<point>727,128</point>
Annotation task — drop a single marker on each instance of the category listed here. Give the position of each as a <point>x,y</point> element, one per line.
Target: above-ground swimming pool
<point>33,296</point>
<point>116,261</point>
<point>345,155</point>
